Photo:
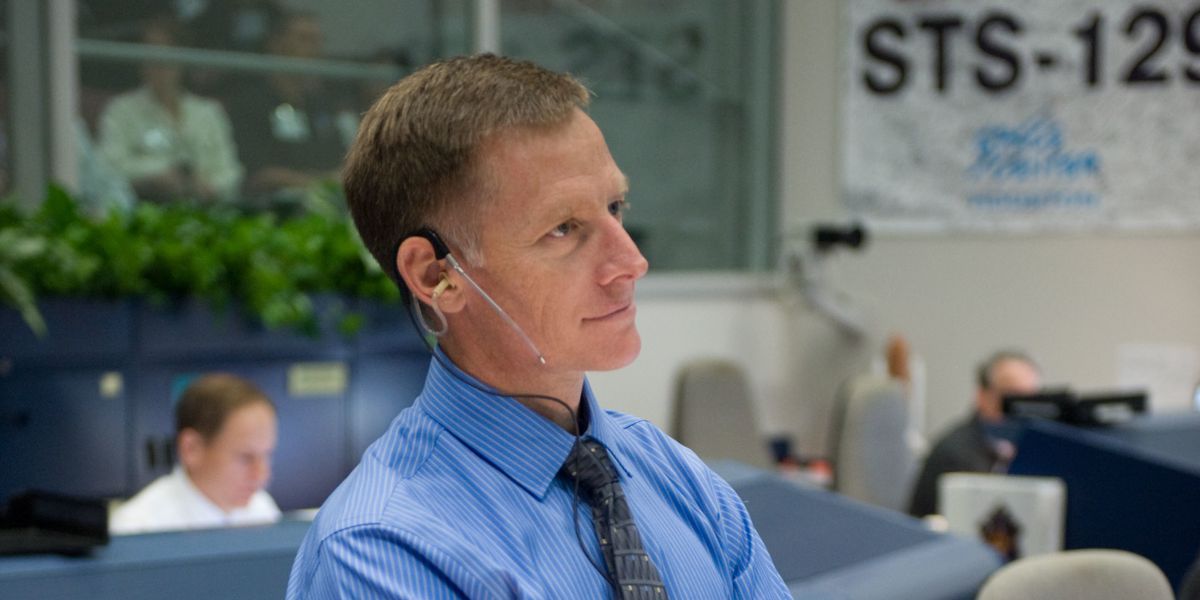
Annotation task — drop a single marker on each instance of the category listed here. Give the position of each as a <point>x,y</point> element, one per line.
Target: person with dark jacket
<point>972,445</point>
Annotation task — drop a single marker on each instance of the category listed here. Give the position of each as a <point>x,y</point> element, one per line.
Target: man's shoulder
<point>962,442</point>
<point>628,421</point>
<point>166,487</point>
<point>208,107</point>
<point>966,430</point>
<point>263,506</point>
<point>129,103</point>
<point>156,506</point>
<point>646,435</point>
<point>651,448</point>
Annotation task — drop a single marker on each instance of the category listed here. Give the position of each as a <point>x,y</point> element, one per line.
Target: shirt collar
<point>520,443</point>
<point>193,493</point>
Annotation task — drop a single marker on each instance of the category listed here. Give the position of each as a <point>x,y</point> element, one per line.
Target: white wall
<point>1071,300</point>
<point>794,360</point>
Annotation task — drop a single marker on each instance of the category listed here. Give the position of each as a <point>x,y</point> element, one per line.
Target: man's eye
<point>563,229</point>
<point>618,207</point>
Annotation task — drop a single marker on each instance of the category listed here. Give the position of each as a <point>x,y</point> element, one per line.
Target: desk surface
<point>825,546</point>
<point>251,563</point>
<point>828,546</point>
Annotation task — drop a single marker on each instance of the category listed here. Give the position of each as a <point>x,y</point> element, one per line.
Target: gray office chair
<point>1078,574</point>
<point>872,459</point>
<point>714,413</point>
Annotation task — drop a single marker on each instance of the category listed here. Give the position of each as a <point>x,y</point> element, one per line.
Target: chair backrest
<point>872,459</point>
<point>714,413</point>
<point>1079,574</point>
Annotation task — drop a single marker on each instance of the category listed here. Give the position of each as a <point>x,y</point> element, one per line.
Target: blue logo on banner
<point>1032,153</point>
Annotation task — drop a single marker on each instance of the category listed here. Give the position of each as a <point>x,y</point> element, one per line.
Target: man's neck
<point>556,413</point>
<point>527,384</point>
<point>168,98</point>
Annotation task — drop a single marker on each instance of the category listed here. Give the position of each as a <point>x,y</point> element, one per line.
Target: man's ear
<point>981,399</point>
<point>422,272</point>
<point>987,404</point>
<point>190,447</point>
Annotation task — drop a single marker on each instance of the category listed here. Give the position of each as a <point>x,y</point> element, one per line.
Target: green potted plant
<point>270,266</point>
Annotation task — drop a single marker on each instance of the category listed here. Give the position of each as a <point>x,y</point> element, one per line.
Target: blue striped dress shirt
<point>460,498</point>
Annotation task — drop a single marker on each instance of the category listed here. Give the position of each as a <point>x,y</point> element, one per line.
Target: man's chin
<point>619,357</point>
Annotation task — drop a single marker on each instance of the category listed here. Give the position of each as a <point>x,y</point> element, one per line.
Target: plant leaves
<point>270,266</point>
<point>15,293</point>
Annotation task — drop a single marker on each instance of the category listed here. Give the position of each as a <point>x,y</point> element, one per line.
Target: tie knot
<point>590,465</point>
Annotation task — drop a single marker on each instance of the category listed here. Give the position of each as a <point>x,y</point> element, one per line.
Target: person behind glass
<point>226,25</point>
<point>489,196</point>
<point>287,123</point>
<point>170,144</point>
<point>238,25</point>
<point>975,444</point>
<point>225,433</point>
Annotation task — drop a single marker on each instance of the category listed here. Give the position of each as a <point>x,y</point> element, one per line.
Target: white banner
<point>1022,114</point>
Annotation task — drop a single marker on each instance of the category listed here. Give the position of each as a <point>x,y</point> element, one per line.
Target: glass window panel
<point>5,103</point>
<point>681,96</point>
<point>246,101</point>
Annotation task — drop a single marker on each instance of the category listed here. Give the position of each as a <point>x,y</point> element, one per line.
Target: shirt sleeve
<point>379,562</point>
<point>121,130</point>
<point>754,575</point>
<point>216,155</point>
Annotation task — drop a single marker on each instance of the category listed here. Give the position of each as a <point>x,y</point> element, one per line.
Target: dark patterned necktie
<point>626,559</point>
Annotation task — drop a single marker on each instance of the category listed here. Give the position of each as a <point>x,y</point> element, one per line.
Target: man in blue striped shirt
<point>492,162</point>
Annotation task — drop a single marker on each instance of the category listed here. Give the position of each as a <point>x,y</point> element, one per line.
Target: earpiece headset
<point>442,251</point>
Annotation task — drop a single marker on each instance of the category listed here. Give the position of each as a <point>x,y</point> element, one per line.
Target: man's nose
<point>623,259</point>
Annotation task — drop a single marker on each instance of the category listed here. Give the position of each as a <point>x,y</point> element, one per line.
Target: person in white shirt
<point>169,143</point>
<point>225,430</point>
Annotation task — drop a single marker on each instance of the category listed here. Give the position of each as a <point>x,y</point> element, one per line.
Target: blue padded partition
<point>60,431</point>
<point>826,545</point>
<point>57,432</point>
<point>64,399</point>
<point>192,330</point>
<point>250,563</point>
<point>382,386</point>
<point>389,371</point>
<point>1133,487</point>
<point>78,331</point>
<point>311,459</point>
<point>387,329</point>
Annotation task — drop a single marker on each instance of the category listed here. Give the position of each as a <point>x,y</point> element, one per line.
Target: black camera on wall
<point>826,237</point>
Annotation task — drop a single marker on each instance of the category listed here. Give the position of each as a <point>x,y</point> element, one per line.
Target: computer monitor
<point>35,522</point>
<point>1095,408</point>
<point>1049,404</point>
<point>1107,408</point>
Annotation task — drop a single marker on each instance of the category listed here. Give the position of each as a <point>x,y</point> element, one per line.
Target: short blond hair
<point>413,162</point>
